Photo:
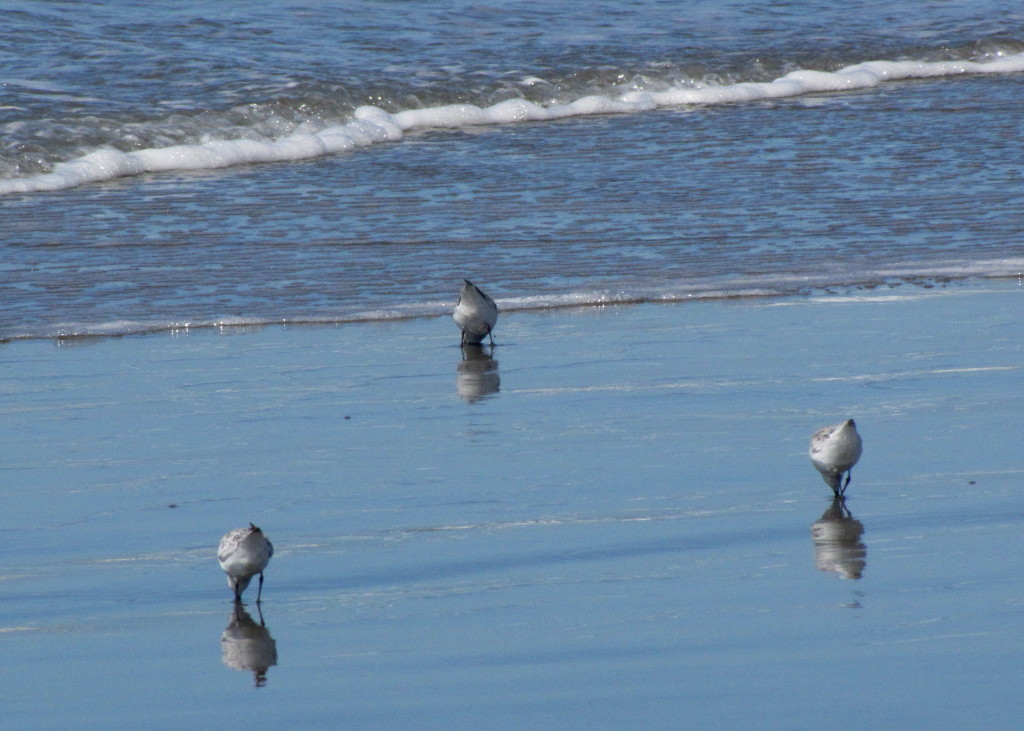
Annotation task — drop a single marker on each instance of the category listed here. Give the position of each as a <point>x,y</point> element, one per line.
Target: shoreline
<point>236,324</point>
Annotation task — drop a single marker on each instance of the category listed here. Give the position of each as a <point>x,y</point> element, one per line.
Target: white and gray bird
<point>475,314</point>
<point>243,553</point>
<point>835,450</point>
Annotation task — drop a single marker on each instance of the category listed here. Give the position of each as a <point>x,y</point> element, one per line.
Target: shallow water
<point>617,529</point>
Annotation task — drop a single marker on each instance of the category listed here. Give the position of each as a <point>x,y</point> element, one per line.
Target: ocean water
<point>196,165</point>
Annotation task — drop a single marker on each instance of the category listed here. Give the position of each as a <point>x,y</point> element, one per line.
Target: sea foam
<point>371,125</point>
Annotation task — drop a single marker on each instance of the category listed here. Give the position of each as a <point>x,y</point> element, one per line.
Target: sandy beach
<point>610,521</point>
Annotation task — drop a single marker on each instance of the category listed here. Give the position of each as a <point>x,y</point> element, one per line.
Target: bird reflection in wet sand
<point>244,553</point>
<point>835,450</point>
<point>475,314</point>
<point>837,542</point>
<point>477,374</point>
<point>246,645</point>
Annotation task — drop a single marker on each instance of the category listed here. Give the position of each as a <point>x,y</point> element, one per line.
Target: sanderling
<point>834,450</point>
<point>475,314</point>
<point>243,553</point>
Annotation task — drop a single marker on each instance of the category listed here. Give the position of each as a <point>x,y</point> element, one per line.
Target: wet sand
<point>610,520</point>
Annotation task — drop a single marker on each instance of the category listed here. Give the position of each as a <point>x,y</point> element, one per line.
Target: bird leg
<point>840,488</point>
<point>259,593</point>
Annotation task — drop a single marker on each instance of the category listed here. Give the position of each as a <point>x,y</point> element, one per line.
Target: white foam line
<point>107,164</point>
<point>371,125</point>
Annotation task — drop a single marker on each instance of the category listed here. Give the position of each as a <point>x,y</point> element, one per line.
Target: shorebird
<point>834,450</point>
<point>243,553</point>
<point>475,314</point>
